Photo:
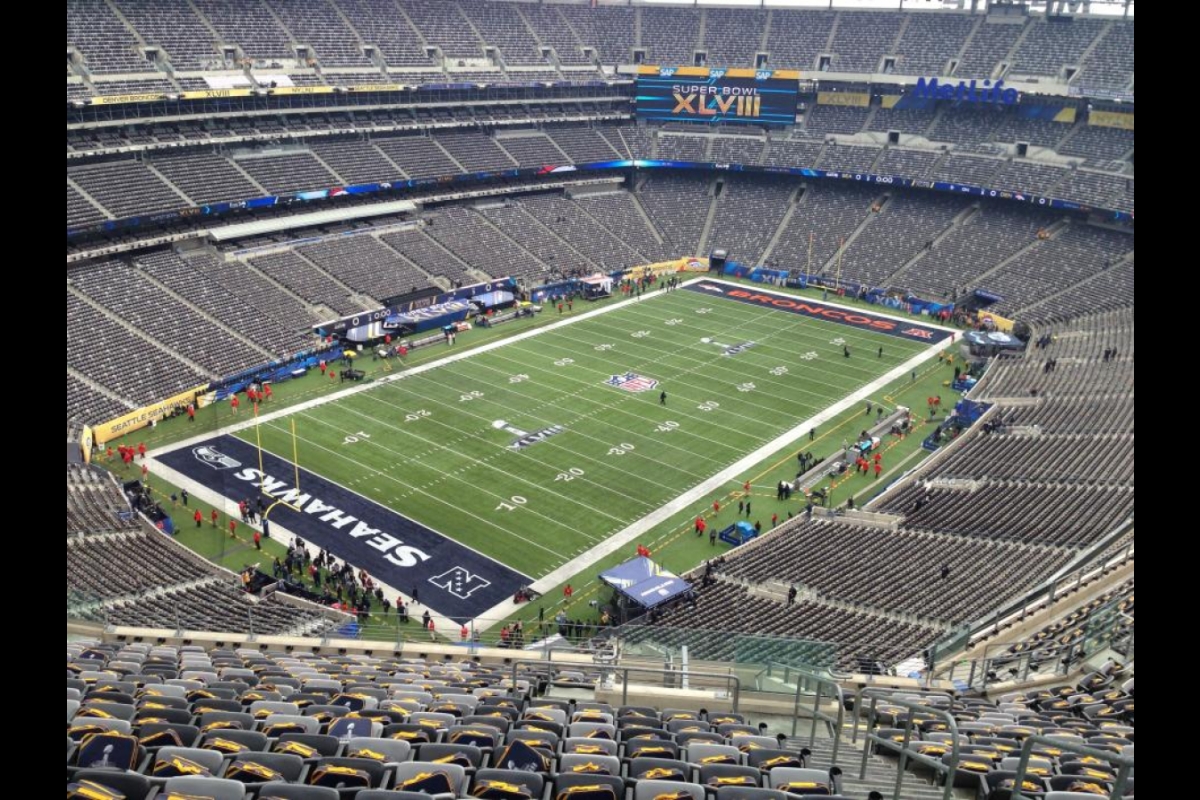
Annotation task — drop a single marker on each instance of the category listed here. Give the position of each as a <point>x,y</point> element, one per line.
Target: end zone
<point>454,580</point>
<point>824,310</point>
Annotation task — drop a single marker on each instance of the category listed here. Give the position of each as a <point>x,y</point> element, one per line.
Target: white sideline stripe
<point>618,540</point>
<point>423,368</point>
<point>445,626</point>
<point>624,537</point>
<point>281,534</point>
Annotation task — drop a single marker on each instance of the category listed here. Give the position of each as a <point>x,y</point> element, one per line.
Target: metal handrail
<point>728,678</point>
<point>803,677</point>
<point>906,754</point>
<point>1123,763</point>
<point>885,692</point>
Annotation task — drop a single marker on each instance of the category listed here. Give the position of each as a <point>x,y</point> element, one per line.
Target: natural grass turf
<point>451,470</point>
<point>427,447</point>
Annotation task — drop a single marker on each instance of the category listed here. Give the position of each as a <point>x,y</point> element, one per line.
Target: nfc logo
<point>459,582</point>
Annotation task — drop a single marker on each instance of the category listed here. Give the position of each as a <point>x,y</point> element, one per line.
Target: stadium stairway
<point>880,776</point>
<point>793,204</point>
<point>870,217</point>
<point>960,220</point>
<point>1115,264</point>
<point>881,772</point>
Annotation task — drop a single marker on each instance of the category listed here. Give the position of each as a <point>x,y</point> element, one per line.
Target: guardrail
<point>1124,764</point>
<point>906,753</point>
<point>885,693</point>
<point>733,684</point>
<point>805,678</point>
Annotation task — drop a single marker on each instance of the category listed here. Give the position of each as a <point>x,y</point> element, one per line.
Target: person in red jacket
<point>191,412</point>
<point>878,469</point>
<point>716,506</point>
<point>233,529</point>
<point>266,391</point>
<point>258,540</point>
<point>322,365</point>
<point>142,450</point>
<point>567,592</point>
<point>234,402</point>
<point>198,517</point>
<point>214,515</point>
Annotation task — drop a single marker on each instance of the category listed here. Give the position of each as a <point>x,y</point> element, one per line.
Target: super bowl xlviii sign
<point>966,92</point>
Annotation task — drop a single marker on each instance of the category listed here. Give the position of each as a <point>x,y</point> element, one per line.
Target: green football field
<point>438,446</point>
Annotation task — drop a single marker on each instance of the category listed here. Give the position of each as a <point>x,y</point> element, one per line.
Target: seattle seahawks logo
<point>212,457</point>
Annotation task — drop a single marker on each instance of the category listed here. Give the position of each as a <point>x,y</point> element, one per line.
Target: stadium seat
<point>589,764</point>
<point>215,788</point>
<point>411,772</point>
<point>293,791</point>
<point>583,745</point>
<point>130,784</point>
<point>749,793</point>
<point>652,789</point>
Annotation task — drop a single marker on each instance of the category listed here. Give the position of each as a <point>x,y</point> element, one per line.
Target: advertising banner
<point>701,94</point>
<point>142,417</point>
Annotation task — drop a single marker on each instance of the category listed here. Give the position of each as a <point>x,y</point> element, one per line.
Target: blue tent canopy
<point>645,582</point>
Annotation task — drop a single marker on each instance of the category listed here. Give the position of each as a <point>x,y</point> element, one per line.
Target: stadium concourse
<point>388,317</point>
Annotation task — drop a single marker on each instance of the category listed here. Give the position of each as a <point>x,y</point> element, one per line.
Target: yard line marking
<point>500,450</point>
<point>385,476</point>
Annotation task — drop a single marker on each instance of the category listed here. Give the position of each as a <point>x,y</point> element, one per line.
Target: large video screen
<point>701,94</point>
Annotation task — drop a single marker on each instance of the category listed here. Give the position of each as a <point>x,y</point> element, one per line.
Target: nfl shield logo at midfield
<point>632,382</point>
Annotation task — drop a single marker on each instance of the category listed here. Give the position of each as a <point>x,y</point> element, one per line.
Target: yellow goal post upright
<point>276,501</point>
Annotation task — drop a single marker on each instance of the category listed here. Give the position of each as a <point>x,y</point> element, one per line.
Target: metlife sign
<point>983,93</point>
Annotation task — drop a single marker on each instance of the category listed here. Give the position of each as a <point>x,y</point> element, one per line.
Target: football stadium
<point>600,400</point>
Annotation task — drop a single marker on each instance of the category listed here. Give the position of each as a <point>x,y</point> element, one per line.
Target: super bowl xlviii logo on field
<point>214,458</point>
<point>460,582</point>
<point>632,382</point>
<point>525,438</point>
<point>729,349</point>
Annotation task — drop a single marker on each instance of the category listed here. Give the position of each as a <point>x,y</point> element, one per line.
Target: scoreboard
<point>710,95</point>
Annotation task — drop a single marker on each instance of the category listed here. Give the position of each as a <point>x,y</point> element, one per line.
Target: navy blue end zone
<point>855,318</point>
<point>453,580</point>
